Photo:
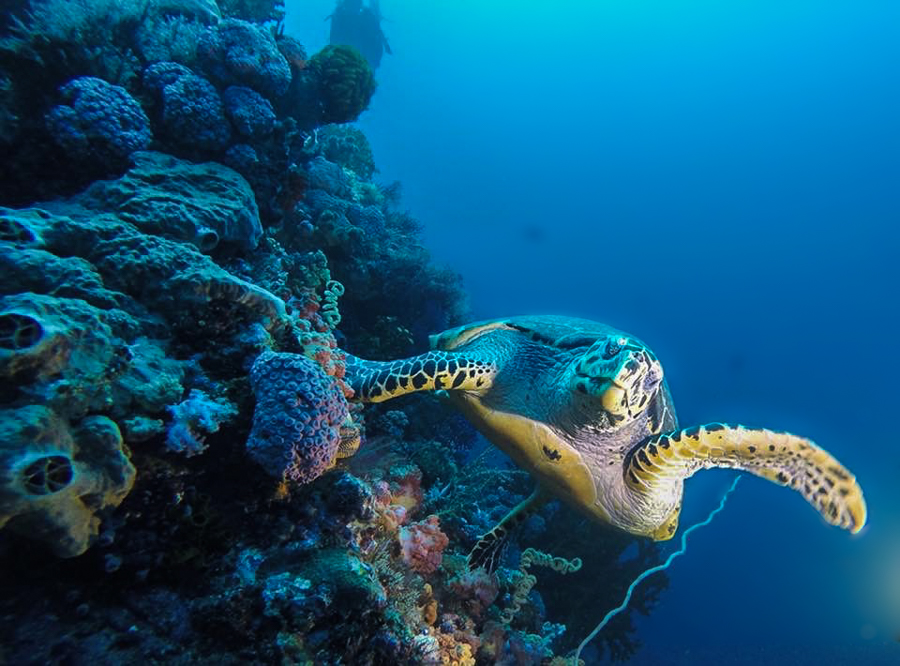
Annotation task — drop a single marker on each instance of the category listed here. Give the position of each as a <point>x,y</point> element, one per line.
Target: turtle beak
<point>635,382</point>
<point>615,400</point>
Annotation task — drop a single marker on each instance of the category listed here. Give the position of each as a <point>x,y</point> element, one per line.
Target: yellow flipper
<point>659,465</point>
<point>376,381</point>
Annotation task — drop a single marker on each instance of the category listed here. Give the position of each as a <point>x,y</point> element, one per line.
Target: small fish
<point>312,140</point>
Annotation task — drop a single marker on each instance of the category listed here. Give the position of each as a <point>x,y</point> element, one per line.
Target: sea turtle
<point>585,409</point>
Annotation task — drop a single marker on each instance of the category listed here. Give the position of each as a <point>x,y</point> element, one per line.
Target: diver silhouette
<point>358,25</point>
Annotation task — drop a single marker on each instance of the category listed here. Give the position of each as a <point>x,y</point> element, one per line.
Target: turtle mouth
<point>628,393</point>
<point>615,401</point>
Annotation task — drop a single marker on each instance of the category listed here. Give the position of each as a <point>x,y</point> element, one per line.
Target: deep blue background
<point>723,180</point>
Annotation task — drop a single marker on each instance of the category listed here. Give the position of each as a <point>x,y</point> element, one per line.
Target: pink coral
<point>477,588</point>
<point>298,417</point>
<point>422,545</point>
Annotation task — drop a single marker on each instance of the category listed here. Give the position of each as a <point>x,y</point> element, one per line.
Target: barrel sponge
<point>56,480</point>
<point>98,122</point>
<point>345,83</point>
<point>204,204</point>
<point>296,429</point>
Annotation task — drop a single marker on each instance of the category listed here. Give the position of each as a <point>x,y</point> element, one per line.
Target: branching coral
<point>495,492</point>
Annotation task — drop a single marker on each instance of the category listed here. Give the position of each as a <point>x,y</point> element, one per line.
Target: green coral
<point>350,584</point>
<point>345,83</point>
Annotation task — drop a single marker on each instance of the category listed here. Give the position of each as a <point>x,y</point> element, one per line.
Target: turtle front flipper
<point>657,467</point>
<point>377,381</point>
<point>487,551</point>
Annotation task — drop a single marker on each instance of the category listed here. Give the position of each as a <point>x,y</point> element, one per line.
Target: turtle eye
<point>613,347</point>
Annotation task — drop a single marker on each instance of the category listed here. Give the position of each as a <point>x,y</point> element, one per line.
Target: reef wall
<point>185,214</point>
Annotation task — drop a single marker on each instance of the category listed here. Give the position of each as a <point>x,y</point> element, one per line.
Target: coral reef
<point>191,114</point>
<point>347,146</point>
<point>250,113</point>
<point>98,122</point>
<point>54,482</point>
<point>525,581</point>
<point>258,11</point>
<point>422,545</point>
<point>194,419</point>
<point>207,205</point>
<point>187,243</point>
<point>344,82</point>
<point>298,417</point>
<point>63,39</point>
<point>241,53</point>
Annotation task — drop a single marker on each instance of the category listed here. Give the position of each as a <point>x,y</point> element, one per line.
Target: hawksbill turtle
<point>586,410</point>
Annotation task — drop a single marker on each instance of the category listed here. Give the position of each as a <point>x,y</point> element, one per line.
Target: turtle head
<point>619,375</point>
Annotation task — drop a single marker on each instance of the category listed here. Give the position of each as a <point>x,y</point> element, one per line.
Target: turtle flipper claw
<point>488,552</point>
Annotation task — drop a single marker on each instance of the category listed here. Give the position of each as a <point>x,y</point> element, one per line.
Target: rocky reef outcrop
<point>190,234</point>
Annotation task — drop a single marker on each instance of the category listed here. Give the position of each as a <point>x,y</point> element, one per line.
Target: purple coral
<point>192,113</point>
<point>250,113</point>
<point>299,412</point>
<point>98,122</point>
<point>240,53</point>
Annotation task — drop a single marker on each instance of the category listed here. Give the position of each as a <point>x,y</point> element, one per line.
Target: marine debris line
<point>660,567</point>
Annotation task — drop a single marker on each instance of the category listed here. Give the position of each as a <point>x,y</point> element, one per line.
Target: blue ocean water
<point>721,180</point>
<point>195,241</point>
